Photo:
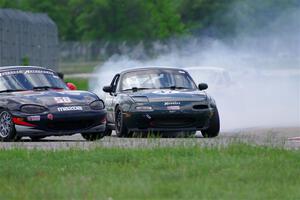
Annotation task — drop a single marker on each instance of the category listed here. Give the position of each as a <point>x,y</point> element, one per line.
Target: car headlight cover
<point>140,99</point>
<point>33,109</point>
<point>97,105</point>
<point>144,108</point>
<point>212,102</point>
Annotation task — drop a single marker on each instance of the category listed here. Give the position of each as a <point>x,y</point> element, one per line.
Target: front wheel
<point>214,126</point>
<point>121,129</point>
<point>93,136</point>
<point>7,127</point>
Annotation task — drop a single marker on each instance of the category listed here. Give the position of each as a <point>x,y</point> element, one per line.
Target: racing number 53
<point>62,99</point>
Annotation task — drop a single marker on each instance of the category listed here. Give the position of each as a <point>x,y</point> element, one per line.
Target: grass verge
<point>82,84</point>
<point>235,172</point>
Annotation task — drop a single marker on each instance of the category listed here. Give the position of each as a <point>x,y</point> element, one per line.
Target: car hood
<point>171,95</point>
<point>51,97</point>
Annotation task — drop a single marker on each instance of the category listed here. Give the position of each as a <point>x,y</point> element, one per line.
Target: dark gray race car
<point>35,102</point>
<point>159,100</point>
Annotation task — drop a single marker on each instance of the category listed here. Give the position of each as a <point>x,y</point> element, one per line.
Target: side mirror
<point>71,86</point>
<point>60,75</point>
<point>202,86</point>
<point>107,89</point>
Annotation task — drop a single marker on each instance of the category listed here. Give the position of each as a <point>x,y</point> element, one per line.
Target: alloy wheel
<point>6,124</point>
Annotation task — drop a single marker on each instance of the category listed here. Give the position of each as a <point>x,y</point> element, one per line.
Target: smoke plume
<point>262,66</point>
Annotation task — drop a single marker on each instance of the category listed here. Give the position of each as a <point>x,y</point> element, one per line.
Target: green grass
<point>82,84</point>
<point>235,172</point>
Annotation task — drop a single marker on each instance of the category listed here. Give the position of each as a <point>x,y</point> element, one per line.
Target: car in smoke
<point>159,100</point>
<point>35,102</point>
<point>216,77</point>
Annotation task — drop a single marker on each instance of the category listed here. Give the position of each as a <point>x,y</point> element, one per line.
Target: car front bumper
<point>168,121</point>
<point>60,124</point>
<point>35,131</point>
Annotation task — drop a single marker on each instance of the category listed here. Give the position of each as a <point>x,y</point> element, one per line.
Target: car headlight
<point>140,99</point>
<point>212,102</point>
<point>33,109</point>
<point>144,108</point>
<point>97,105</point>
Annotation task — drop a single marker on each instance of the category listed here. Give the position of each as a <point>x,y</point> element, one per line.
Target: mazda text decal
<point>69,108</point>
<point>170,103</point>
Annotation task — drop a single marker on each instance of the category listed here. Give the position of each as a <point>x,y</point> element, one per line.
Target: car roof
<point>150,68</point>
<point>22,67</point>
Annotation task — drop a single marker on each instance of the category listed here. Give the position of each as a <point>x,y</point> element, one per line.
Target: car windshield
<point>213,77</point>
<point>29,79</point>
<point>157,79</point>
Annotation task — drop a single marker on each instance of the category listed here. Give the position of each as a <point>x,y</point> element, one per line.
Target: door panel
<point>111,100</point>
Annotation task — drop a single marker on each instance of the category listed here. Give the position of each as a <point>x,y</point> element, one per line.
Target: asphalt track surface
<point>284,137</point>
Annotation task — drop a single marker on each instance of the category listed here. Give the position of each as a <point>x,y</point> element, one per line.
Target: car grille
<point>173,122</point>
<point>200,107</point>
<point>70,125</point>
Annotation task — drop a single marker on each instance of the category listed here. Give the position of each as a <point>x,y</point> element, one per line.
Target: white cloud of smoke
<point>264,70</point>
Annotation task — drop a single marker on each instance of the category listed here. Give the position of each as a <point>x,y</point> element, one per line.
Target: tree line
<point>134,20</point>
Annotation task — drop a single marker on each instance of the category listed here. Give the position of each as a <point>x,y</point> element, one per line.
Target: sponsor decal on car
<point>36,71</point>
<point>69,108</point>
<point>50,116</point>
<point>166,92</point>
<point>171,103</point>
<point>34,118</point>
<point>173,107</point>
<point>7,73</point>
<point>12,72</point>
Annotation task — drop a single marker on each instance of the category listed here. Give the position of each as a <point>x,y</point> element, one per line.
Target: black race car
<point>35,102</point>
<point>159,100</point>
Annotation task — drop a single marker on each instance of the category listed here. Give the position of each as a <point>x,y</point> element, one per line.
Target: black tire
<point>121,129</point>
<point>93,136</point>
<point>107,132</point>
<point>36,138</point>
<point>214,126</point>
<point>7,127</point>
<point>18,138</point>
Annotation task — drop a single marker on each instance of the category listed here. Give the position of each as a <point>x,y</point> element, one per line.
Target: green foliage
<point>25,61</point>
<point>113,20</point>
<point>228,17</point>
<point>135,20</point>
<point>57,10</point>
<point>127,20</point>
<point>81,83</point>
<point>234,172</point>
